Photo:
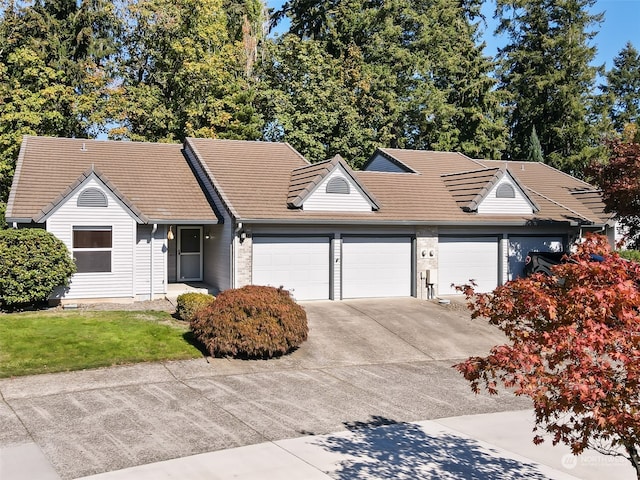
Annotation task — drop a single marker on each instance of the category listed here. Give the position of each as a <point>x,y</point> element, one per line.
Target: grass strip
<point>55,341</point>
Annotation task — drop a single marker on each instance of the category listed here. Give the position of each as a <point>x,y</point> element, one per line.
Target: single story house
<point>140,216</point>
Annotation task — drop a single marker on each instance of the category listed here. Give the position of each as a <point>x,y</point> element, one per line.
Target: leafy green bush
<point>189,303</point>
<point>633,255</point>
<point>251,322</point>
<point>32,264</point>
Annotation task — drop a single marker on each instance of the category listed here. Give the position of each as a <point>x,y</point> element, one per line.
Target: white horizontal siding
<point>505,206</point>
<point>320,200</point>
<point>118,282</point>
<point>382,164</point>
<point>143,264</point>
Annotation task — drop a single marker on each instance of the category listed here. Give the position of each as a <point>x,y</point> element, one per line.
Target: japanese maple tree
<point>573,347</point>
<point>619,180</point>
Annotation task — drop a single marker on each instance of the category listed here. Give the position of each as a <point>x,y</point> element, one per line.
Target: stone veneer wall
<point>244,253</point>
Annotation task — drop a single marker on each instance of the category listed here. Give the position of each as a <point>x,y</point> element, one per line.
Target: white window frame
<point>75,249</point>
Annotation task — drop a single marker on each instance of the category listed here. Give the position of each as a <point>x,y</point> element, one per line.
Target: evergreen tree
<point>545,69</point>
<point>622,88</point>
<point>534,149</point>
<point>410,74</point>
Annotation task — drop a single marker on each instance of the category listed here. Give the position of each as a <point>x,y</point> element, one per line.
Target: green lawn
<point>54,341</point>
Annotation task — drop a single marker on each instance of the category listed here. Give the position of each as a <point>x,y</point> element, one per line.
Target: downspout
<point>234,254</point>
<point>153,234</point>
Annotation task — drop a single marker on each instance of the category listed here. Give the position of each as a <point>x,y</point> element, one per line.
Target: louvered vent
<point>505,191</point>
<point>92,197</point>
<point>338,185</point>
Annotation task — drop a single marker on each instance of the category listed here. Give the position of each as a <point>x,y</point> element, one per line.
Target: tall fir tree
<point>546,71</point>
<point>534,149</point>
<point>411,74</point>
<point>622,88</point>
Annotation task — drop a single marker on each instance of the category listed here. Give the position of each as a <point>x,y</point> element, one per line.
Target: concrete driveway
<point>366,362</point>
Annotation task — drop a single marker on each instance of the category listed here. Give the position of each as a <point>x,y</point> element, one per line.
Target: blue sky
<point>621,24</point>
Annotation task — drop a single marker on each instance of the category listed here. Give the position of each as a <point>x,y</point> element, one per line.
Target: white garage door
<point>299,264</point>
<point>520,246</point>
<point>376,267</point>
<point>463,258</point>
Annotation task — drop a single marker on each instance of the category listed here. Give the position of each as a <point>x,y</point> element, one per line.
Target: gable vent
<point>505,191</point>
<point>338,185</point>
<point>92,197</point>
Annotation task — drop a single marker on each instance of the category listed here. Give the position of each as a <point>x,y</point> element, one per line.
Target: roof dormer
<point>328,186</point>
<point>492,191</point>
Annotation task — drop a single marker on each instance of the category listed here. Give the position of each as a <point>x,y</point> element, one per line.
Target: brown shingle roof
<point>155,179</point>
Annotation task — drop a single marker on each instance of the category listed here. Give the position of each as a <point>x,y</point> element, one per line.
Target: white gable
<point>350,199</point>
<point>506,198</point>
<point>67,215</point>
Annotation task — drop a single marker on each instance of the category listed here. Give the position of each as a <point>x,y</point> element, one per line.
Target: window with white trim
<point>92,248</point>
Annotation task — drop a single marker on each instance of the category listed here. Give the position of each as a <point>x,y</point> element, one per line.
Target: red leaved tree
<point>619,180</point>
<point>574,348</point>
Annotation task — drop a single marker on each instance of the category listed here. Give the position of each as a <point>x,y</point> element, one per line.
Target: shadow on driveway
<point>386,449</point>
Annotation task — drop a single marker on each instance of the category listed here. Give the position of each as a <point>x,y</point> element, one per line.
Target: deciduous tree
<point>185,71</point>
<point>619,179</point>
<point>573,348</point>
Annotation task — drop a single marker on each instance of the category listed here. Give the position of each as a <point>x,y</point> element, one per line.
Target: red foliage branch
<point>574,348</point>
<point>619,180</point>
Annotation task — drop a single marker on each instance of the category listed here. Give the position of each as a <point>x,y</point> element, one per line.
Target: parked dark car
<point>541,262</point>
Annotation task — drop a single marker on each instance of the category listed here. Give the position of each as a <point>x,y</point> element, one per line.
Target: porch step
<point>174,290</point>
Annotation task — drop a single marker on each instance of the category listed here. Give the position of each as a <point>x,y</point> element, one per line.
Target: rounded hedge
<point>188,304</point>
<point>251,322</point>
<point>33,263</point>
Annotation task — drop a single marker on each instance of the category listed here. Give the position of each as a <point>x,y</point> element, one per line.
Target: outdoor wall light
<point>170,233</point>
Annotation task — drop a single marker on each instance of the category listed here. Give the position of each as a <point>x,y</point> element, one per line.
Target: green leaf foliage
<point>189,303</point>
<point>251,322</point>
<point>184,74</point>
<point>54,72</point>
<point>33,263</point>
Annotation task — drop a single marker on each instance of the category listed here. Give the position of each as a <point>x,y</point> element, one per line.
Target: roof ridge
<point>471,171</point>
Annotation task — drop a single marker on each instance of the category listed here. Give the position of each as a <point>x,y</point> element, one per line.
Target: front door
<point>190,254</point>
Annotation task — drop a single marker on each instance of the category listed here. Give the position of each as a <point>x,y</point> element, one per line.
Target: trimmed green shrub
<point>633,255</point>
<point>33,263</point>
<point>251,322</point>
<point>189,303</point>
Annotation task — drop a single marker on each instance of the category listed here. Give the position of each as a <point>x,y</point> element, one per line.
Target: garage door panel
<point>376,267</point>
<point>519,247</point>
<point>299,264</point>
<point>464,258</point>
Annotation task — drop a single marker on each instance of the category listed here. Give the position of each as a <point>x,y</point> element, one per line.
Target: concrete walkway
<point>377,372</point>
